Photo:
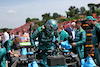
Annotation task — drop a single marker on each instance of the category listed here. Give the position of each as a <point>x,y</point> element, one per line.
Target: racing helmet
<point>51,27</point>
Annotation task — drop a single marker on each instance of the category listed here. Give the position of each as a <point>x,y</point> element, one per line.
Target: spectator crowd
<point>77,32</point>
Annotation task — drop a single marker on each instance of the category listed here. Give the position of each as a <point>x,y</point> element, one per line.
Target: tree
<point>92,7</point>
<point>88,13</point>
<point>76,11</point>
<point>51,17</point>
<point>46,16</point>
<point>40,23</point>
<point>82,10</point>
<point>68,14</point>
<point>34,19</point>
<point>97,5</point>
<point>56,15</point>
<point>1,30</point>
<point>98,12</point>
<point>71,12</point>
<point>72,7</point>
<point>28,19</point>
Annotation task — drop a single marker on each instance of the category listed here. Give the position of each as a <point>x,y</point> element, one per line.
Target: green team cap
<point>89,18</point>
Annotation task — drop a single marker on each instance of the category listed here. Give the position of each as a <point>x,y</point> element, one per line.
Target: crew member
<point>80,39</point>
<point>63,34</point>
<point>45,36</point>
<point>96,39</point>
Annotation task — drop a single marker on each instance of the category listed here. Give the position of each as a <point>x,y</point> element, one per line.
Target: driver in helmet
<point>45,35</point>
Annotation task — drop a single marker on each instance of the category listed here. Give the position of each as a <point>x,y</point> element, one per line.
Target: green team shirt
<point>45,42</point>
<point>63,35</point>
<point>80,37</point>
<point>3,57</point>
<point>8,45</point>
<point>94,37</point>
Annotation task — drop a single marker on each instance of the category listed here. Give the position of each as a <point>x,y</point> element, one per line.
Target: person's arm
<point>9,45</point>
<point>83,39</point>
<point>66,34</point>
<point>33,37</point>
<point>9,50</point>
<point>12,53</point>
<point>12,50</point>
<point>97,26</point>
<point>57,36</point>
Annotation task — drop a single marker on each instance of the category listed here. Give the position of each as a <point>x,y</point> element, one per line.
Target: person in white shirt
<point>0,38</point>
<point>5,35</point>
<point>73,24</point>
<point>12,36</point>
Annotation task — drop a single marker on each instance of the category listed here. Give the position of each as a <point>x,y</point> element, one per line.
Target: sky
<point>13,13</point>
